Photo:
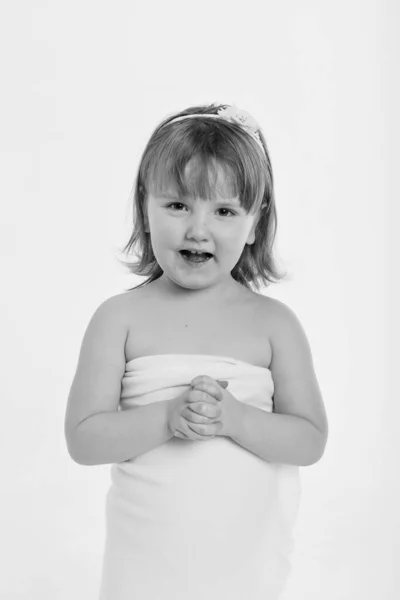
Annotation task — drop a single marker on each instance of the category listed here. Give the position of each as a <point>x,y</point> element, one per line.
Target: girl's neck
<point>215,294</point>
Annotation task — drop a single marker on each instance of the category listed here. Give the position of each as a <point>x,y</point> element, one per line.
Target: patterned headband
<point>234,115</point>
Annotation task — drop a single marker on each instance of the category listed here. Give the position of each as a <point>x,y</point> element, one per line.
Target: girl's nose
<point>197,224</point>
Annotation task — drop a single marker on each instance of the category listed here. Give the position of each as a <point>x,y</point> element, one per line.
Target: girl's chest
<point>239,333</point>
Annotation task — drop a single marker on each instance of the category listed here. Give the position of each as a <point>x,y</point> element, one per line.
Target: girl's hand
<point>206,416</point>
<point>230,409</point>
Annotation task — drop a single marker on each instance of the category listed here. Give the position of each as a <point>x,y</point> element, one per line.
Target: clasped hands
<point>205,410</point>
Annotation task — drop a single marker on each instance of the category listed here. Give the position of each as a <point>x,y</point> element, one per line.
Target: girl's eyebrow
<point>172,196</point>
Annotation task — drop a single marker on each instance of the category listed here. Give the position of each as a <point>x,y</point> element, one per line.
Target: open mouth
<point>195,257</point>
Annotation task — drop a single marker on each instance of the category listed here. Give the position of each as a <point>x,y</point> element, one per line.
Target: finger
<point>212,388</point>
<point>191,433</point>
<point>201,396</point>
<point>180,435</point>
<point>182,429</point>
<point>195,414</point>
<point>211,411</point>
<point>207,431</point>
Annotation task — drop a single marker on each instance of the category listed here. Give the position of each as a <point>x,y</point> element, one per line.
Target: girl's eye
<point>174,204</point>
<point>229,210</point>
<point>181,204</point>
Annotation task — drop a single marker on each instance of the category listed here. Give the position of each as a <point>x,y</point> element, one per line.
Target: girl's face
<point>217,226</point>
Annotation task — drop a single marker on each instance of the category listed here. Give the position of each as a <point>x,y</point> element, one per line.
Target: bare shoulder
<point>123,303</point>
<point>113,311</point>
<point>117,304</point>
<point>286,331</point>
<point>273,306</point>
<point>105,335</point>
<point>132,302</point>
<point>276,314</point>
<point>107,332</point>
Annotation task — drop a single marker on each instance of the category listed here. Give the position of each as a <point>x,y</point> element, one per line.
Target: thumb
<point>222,383</point>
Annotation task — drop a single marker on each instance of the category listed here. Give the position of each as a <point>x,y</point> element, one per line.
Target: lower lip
<point>193,264</point>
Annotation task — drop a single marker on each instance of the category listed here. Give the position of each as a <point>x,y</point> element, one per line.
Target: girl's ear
<point>252,235</point>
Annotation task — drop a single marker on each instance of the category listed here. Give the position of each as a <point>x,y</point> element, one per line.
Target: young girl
<point>199,390</point>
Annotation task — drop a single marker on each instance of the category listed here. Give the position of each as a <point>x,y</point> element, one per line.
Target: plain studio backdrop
<point>83,86</point>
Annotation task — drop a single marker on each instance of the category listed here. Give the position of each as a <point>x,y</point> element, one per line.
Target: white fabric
<point>198,520</point>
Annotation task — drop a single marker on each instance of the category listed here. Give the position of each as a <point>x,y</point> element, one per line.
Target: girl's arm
<point>278,438</point>
<point>96,431</point>
<point>297,431</point>
<point>112,437</point>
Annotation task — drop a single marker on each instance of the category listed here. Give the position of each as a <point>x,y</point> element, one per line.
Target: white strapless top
<point>193,519</point>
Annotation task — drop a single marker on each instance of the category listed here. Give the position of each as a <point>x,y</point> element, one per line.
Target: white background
<point>83,86</point>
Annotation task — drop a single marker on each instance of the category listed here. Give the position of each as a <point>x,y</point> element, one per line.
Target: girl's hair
<point>248,174</point>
